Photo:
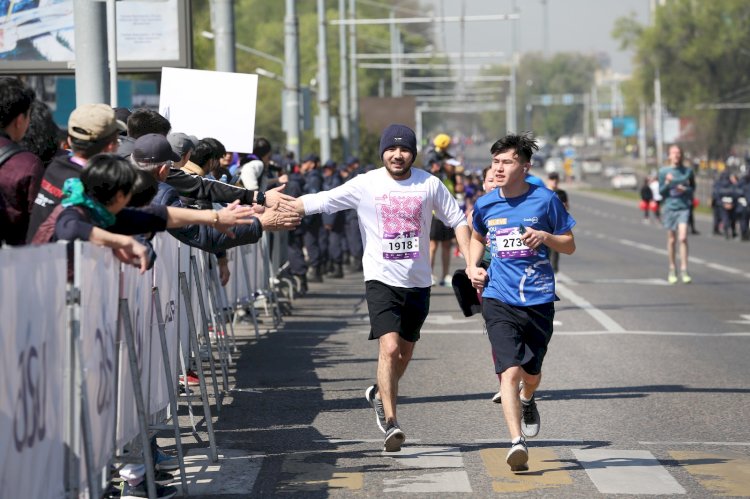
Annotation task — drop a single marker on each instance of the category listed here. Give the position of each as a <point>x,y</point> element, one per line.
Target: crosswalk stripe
<point>545,471</point>
<point>723,474</point>
<point>447,481</point>
<point>428,457</point>
<point>627,472</point>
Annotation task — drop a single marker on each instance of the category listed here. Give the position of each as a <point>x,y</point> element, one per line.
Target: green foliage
<point>260,24</point>
<point>564,73</point>
<point>700,50</point>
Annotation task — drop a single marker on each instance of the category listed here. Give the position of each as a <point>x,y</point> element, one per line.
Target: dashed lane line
<point>660,251</point>
<point>609,323</point>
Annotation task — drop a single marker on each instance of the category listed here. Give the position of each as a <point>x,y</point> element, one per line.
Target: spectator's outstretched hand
<point>132,253</point>
<point>273,219</point>
<point>278,200</point>
<point>233,214</point>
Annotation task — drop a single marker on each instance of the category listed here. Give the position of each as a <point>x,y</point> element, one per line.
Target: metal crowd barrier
<point>91,367</point>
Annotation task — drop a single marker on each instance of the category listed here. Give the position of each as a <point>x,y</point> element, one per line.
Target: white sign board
<point>211,104</point>
<point>32,409</point>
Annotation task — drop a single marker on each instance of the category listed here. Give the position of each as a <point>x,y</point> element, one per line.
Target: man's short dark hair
<point>107,174</point>
<point>143,121</point>
<point>207,149</point>
<point>523,144</point>
<point>15,99</point>
<point>261,147</point>
<point>87,148</point>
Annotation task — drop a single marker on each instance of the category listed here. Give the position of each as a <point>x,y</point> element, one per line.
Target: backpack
<point>8,151</point>
<point>44,234</point>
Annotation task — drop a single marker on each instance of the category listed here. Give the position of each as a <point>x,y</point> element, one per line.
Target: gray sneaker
<point>394,438</point>
<point>518,455</point>
<point>530,421</point>
<point>377,405</point>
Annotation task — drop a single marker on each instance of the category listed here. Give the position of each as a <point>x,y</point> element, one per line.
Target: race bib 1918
<point>509,245</point>
<point>401,245</point>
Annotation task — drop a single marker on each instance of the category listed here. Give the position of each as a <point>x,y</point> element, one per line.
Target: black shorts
<point>393,309</point>
<point>440,232</point>
<point>519,335</point>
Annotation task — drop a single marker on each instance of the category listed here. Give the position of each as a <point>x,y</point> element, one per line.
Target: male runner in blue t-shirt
<point>519,222</point>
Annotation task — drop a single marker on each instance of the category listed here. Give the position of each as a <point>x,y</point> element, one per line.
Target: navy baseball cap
<point>153,148</point>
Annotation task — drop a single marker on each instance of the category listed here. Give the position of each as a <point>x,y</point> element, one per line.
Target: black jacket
<point>202,189</point>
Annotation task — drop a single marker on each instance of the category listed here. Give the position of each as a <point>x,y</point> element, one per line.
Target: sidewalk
<point>281,383</point>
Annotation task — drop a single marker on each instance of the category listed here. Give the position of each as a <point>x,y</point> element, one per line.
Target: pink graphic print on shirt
<point>401,217</point>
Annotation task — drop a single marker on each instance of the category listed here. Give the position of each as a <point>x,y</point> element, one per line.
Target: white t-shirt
<point>394,220</point>
<point>251,174</point>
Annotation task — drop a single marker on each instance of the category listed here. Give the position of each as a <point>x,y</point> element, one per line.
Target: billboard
<point>38,36</point>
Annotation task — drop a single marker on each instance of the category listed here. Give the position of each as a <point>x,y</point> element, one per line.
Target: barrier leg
<point>148,458</point>
<point>227,316</point>
<point>204,330</point>
<point>253,313</point>
<point>199,364</point>
<point>80,400</point>
<point>269,281</point>
<point>170,388</point>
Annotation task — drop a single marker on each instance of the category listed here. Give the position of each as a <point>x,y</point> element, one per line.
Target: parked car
<point>625,179</point>
<point>591,166</point>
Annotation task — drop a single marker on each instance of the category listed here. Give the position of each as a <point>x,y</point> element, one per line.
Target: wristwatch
<point>260,198</point>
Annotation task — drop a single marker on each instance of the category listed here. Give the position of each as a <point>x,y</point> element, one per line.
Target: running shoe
<point>686,278</point>
<point>530,421</point>
<point>672,277</point>
<point>498,397</point>
<point>377,406</point>
<point>165,462</point>
<point>394,438</point>
<point>518,455</point>
<point>192,379</point>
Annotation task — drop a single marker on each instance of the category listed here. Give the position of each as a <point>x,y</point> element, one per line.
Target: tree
<point>564,73</point>
<point>260,24</point>
<point>700,51</point>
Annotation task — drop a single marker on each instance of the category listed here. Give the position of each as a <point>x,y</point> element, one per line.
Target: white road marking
<point>428,457</point>
<point>602,318</point>
<point>449,319</point>
<point>745,319</point>
<point>447,481</point>
<point>234,473</point>
<point>663,252</point>
<point>626,472</point>
<point>536,442</point>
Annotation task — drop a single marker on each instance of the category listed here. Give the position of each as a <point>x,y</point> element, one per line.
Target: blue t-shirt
<point>534,180</point>
<point>519,275</point>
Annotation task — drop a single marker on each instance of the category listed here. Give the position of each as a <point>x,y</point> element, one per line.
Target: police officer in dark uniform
<point>296,187</point>
<point>351,221</point>
<point>313,223</point>
<point>333,224</point>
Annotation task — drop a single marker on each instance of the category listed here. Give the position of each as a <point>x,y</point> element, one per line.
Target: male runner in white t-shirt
<point>394,205</point>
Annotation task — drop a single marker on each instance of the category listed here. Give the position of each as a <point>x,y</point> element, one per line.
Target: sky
<point>574,26</point>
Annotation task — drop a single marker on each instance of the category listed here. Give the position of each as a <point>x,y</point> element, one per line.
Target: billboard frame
<point>184,39</point>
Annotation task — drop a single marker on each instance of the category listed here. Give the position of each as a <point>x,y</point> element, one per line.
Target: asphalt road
<point>645,388</point>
